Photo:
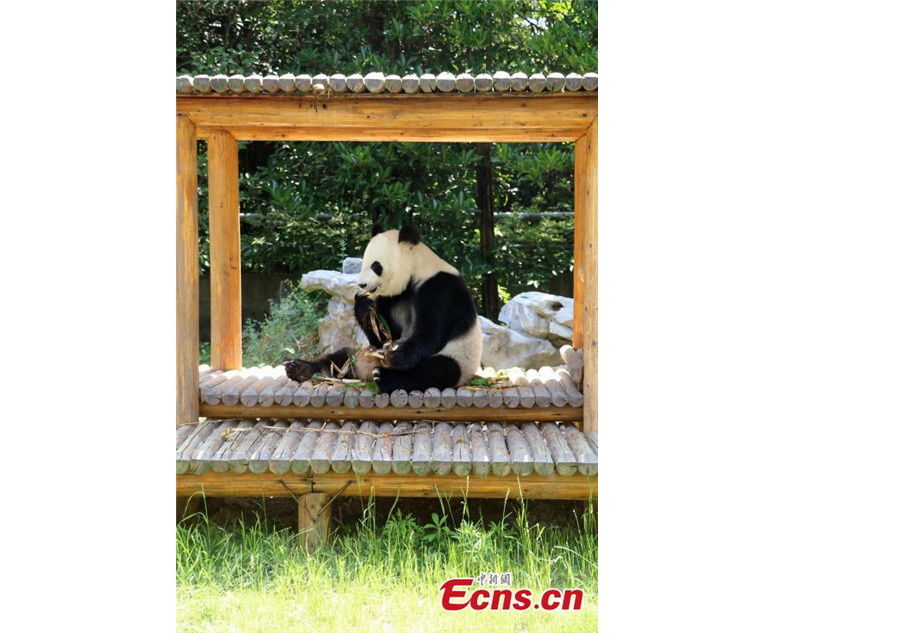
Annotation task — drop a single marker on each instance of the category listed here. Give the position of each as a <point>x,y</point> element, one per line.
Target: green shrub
<point>306,206</point>
<point>290,330</point>
<point>205,352</point>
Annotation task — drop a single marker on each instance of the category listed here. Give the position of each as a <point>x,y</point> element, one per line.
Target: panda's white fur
<point>403,263</point>
<point>466,351</point>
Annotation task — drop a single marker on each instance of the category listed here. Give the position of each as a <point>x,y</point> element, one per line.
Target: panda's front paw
<point>385,379</point>
<point>299,370</point>
<point>362,305</point>
<point>401,357</point>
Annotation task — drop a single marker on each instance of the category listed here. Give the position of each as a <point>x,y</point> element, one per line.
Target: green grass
<point>379,577</point>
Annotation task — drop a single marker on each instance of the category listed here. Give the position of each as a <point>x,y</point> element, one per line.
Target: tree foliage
<point>308,205</point>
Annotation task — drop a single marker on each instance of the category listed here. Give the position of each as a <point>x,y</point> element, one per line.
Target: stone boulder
<point>334,283</point>
<point>542,315</point>
<point>504,348</point>
<point>351,265</point>
<point>338,328</point>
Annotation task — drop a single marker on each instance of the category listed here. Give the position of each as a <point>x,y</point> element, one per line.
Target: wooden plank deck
<point>414,449</point>
<point>545,394</point>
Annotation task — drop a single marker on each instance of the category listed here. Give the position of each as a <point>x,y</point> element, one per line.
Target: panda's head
<point>389,263</point>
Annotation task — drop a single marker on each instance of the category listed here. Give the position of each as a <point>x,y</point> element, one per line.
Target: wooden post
<point>187,287</point>
<point>224,252</point>
<point>579,247</point>
<point>314,518</point>
<point>584,332</point>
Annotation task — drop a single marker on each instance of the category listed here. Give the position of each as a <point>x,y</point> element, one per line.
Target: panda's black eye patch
<point>376,266</point>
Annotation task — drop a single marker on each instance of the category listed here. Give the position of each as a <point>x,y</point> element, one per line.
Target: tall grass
<point>379,577</point>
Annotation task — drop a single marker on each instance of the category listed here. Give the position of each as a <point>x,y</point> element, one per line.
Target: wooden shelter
<point>265,434</point>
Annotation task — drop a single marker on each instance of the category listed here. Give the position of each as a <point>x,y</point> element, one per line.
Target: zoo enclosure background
<point>501,213</point>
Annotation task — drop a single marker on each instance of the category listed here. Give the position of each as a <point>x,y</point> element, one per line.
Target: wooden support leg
<point>187,290</point>
<point>314,518</point>
<point>585,331</point>
<point>224,252</point>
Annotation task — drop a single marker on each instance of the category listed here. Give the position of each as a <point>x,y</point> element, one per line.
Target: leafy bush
<point>308,205</point>
<point>312,204</point>
<point>224,36</point>
<point>290,330</point>
<point>205,352</point>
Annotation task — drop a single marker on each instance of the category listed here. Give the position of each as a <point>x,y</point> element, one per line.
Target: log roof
<point>379,83</point>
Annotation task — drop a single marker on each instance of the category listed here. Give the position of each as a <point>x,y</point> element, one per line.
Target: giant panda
<point>417,314</point>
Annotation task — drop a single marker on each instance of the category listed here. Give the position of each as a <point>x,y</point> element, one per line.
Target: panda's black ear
<point>409,233</point>
<point>377,228</point>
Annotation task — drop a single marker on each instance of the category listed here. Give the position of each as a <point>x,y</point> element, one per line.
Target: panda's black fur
<point>435,336</point>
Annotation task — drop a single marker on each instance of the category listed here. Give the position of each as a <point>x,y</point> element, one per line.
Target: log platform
<point>550,394</point>
<point>279,458</point>
<point>267,435</point>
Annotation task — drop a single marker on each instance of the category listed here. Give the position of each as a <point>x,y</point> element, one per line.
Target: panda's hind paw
<point>299,370</point>
<point>383,379</point>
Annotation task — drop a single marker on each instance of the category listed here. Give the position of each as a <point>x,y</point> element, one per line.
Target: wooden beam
<point>450,117</point>
<point>224,252</point>
<point>391,134</point>
<point>585,330</point>
<point>533,486</point>
<point>454,414</point>
<point>187,286</point>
